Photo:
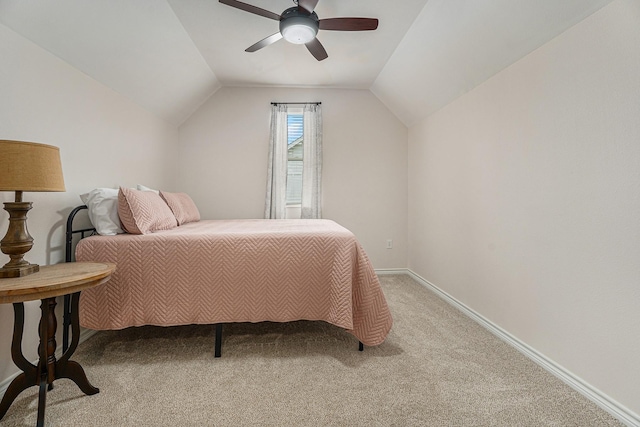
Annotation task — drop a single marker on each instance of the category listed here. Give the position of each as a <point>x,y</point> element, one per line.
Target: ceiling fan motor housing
<point>298,27</point>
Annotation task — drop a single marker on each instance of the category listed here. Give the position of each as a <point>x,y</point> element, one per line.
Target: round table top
<point>55,280</point>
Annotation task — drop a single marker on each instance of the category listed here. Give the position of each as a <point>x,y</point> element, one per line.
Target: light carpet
<point>436,368</point>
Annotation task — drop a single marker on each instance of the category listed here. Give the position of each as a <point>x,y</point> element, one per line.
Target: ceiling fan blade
<point>307,5</point>
<point>264,42</point>
<point>251,9</point>
<point>349,24</point>
<point>316,49</point>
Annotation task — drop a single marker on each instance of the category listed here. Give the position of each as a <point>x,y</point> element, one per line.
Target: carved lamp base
<point>7,272</point>
<point>17,241</point>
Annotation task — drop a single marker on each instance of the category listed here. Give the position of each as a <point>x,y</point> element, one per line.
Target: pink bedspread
<point>223,271</point>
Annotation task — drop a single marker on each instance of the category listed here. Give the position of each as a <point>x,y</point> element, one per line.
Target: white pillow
<point>103,210</point>
<point>141,187</point>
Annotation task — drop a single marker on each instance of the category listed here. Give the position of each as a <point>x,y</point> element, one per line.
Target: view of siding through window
<point>295,139</point>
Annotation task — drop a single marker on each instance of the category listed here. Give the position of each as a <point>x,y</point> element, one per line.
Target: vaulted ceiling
<point>169,56</point>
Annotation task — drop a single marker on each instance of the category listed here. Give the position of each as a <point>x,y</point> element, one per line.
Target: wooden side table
<point>51,281</point>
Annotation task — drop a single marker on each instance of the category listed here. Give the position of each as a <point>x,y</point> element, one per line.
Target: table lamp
<point>25,166</point>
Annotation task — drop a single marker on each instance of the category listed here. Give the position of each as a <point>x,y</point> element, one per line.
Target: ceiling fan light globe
<point>298,30</point>
<point>298,34</point>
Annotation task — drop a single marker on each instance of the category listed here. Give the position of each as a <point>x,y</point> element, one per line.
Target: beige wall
<point>104,140</point>
<point>222,162</point>
<point>524,200</point>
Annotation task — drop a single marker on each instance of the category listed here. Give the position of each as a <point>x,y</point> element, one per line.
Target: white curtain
<point>276,200</point>
<point>312,162</point>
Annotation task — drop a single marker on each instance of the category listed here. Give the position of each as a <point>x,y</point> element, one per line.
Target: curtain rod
<point>278,103</point>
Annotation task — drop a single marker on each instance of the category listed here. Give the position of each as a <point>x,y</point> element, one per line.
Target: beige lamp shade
<point>27,166</point>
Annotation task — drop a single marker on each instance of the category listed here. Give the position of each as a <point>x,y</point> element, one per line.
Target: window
<point>295,158</point>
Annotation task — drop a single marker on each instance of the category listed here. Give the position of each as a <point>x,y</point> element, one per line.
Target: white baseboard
<point>85,334</point>
<point>622,413</point>
<point>388,271</point>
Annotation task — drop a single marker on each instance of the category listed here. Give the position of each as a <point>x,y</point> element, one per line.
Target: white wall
<point>524,197</point>
<point>104,140</point>
<point>222,162</point>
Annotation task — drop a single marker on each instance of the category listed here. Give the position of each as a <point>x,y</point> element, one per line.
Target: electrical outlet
<point>389,244</point>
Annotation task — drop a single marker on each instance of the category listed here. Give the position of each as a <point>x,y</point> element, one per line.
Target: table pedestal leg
<point>49,369</point>
<point>66,368</point>
<point>29,375</point>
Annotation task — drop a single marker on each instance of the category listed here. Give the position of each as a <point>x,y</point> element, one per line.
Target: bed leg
<point>218,352</point>
<point>360,346</point>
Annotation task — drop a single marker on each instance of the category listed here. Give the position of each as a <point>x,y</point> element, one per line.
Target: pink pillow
<point>143,212</point>
<point>182,207</point>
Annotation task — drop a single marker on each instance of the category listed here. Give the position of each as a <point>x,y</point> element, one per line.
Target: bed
<point>223,271</point>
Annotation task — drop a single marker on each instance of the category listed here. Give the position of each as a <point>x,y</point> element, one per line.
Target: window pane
<point>295,129</point>
<point>294,182</point>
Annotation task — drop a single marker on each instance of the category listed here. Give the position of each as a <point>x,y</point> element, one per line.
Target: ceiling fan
<point>300,25</point>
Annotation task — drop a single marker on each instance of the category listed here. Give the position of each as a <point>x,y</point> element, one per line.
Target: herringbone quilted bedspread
<point>223,271</point>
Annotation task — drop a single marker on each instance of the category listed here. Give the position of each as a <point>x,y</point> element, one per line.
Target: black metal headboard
<point>68,258</point>
<point>71,232</point>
